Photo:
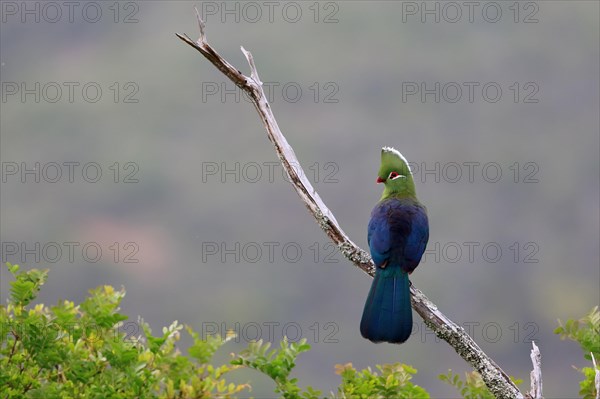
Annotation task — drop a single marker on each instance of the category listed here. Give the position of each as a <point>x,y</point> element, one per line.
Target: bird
<point>397,236</point>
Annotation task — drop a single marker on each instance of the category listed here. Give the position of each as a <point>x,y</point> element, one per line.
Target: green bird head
<point>395,174</point>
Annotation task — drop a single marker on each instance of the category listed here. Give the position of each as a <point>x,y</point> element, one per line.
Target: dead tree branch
<point>536,373</point>
<point>494,377</point>
<point>597,376</point>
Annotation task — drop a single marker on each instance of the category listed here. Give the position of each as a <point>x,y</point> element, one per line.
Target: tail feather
<point>387,316</point>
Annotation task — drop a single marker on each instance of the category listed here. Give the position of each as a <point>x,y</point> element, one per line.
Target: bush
<point>78,351</point>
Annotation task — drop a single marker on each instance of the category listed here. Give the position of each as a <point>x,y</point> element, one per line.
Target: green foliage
<point>277,364</point>
<point>586,332</point>
<point>473,386</point>
<point>78,351</point>
<point>84,351</point>
<point>394,382</point>
<point>25,289</point>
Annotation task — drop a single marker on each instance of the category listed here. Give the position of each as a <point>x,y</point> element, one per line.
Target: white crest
<point>396,152</point>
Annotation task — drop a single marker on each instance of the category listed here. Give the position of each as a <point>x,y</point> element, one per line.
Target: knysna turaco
<point>398,234</point>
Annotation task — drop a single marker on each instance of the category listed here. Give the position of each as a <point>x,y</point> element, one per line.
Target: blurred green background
<point>340,75</point>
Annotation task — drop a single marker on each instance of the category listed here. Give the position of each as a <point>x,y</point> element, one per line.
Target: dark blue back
<point>398,233</point>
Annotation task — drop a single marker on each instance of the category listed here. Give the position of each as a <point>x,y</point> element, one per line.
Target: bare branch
<point>597,377</point>
<point>253,71</point>
<point>201,26</point>
<point>494,377</point>
<point>536,373</point>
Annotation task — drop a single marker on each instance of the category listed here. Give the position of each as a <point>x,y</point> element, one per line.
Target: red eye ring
<point>393,175</point>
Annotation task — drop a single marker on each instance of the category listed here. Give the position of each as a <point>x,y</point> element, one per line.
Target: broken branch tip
<point>201,25</point>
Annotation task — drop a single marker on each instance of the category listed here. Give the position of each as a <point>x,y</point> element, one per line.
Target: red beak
<point>380,180</point>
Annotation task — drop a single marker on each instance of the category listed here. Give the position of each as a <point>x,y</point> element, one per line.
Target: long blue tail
<point>387,316</point>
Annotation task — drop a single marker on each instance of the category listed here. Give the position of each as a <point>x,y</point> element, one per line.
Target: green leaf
<point>26,285</point>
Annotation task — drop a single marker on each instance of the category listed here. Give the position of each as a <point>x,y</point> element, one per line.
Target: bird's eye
<point>395,175</point>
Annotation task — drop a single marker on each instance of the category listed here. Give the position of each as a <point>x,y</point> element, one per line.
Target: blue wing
<point>416,240</point>
<point>398,232</point>
<point>379,239</point>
